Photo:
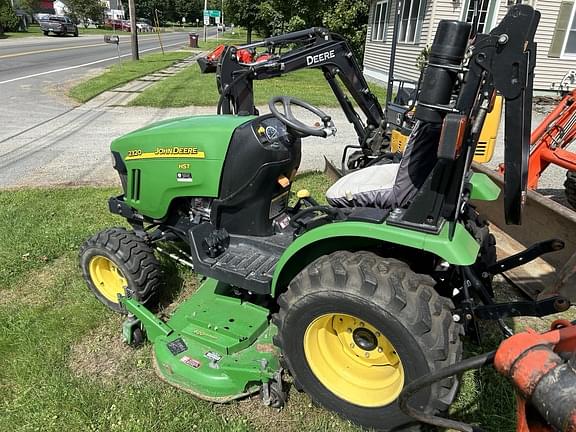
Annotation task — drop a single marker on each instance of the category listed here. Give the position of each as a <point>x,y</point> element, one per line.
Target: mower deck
<point>215,345</point>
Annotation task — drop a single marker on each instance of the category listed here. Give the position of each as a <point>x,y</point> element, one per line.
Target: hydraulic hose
<point>427,380</point>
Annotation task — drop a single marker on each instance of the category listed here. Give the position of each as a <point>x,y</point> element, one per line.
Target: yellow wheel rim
<point>353,360</point>
<point>107,278</point>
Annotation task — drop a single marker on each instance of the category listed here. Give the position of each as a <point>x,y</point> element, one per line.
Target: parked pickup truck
<point>60,25</point>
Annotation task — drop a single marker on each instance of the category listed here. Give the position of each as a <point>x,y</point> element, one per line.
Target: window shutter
<point>564,15</point>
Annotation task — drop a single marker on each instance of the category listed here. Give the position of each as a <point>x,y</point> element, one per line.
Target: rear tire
<point>45,33</point>
<point>570,188</point>
<point>76,33</point>
<point>116,260</point>
<point>391,306</point>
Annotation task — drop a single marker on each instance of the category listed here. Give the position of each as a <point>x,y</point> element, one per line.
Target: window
<point>563,39</point>
<point>410,20</point>
<point>570,43</point>
<point>486,13</point>
<point>379,21</point>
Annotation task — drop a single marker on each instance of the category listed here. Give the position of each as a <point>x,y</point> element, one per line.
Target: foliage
<point>30,6</point>
<point>272,17</point>
<point>82,10</point>
<point>422,58</point>
<point>350,19</point>
<point>171,10</point>
<point>8,19</point>
<point>245,13</point>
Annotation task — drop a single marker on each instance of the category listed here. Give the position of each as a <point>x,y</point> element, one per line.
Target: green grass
<point>124,72</point>
<point>192,88</point>
<point>62,365</point>
<point>33,30</point>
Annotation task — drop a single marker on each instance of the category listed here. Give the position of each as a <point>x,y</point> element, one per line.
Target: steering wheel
<point>324,130</point>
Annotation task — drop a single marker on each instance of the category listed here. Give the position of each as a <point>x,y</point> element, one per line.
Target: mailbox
<point>113,39</point>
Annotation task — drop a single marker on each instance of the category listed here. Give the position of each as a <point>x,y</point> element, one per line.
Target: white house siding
<point>377,54</point>
<point>548,70</point>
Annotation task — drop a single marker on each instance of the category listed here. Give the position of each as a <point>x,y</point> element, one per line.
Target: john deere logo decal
<point>166,152</point>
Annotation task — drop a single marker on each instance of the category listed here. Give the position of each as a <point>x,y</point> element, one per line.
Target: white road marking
<point>82,65</point>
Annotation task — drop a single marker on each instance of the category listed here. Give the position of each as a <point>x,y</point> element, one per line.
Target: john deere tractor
<point>353,302</point>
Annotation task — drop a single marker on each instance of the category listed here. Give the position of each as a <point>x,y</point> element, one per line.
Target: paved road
<point>34,72</point>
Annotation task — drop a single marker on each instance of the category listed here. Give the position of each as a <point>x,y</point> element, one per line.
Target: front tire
<point>570,188</point>
<point>116,260</point>
<point>354,328</point>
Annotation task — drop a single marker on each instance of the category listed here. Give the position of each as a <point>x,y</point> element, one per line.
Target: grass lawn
<point>63,367</point>
<point>192,88</point>
<point>33,30</point>
<point>124,72</point>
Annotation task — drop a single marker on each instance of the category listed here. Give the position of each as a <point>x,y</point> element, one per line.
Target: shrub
<point>8,19</point>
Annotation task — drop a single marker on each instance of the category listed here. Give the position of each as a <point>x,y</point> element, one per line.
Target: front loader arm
<point>312,48</point>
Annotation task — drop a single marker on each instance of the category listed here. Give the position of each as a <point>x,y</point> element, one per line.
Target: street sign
<point>211,13</point>
<point>217,19</point>
<point>206,20</point>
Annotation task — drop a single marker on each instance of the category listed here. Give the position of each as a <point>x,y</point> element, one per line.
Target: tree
<point>188,9</point>
<point>244,13</point>
<point>270,17</point>
<point>82,10</point>
<point>8,19</point>
<point>29,6</point>
<point>350,19</point>
<point>145,9</point>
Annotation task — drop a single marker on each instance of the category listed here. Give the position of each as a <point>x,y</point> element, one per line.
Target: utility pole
<point>222,15</point>
<point>134,30</point>
<point>204,17</point>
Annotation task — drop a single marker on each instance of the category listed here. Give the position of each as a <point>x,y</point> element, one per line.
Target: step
<point>248,262</point>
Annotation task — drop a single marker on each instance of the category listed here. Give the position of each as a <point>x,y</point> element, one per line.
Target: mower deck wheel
<point>355,328</point>
<point>570,188</point>
<point>115,261</point>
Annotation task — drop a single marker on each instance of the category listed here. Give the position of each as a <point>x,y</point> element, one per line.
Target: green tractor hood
<point>173,158</point>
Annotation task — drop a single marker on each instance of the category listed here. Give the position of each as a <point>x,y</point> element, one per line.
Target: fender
<point>462,250</point>
<point>483,188</point>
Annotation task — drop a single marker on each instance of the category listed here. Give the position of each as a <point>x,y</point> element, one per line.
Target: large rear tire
<point>116,260</point>
<point>354,328</point>
<point>570,188</point>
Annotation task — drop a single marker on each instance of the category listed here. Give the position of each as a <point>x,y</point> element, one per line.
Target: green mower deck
<point>215,346</point>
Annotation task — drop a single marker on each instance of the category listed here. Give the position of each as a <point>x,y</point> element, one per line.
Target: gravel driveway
<point>73,148</point>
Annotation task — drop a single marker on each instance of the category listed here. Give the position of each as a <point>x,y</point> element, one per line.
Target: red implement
<point>542,368</point>
<point>551,138</point>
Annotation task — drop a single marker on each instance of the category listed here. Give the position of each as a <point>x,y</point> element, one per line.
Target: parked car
<point>144,27</point>
<point>60,25</point>
<point>221,27</point>
<point>117,24</point>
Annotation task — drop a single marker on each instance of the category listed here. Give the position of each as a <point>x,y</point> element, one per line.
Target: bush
<point>8,19</point>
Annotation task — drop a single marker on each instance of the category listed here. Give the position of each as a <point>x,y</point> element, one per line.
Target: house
<point>41,7</point>
<point>114,9</point>
<point>556,35</point>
